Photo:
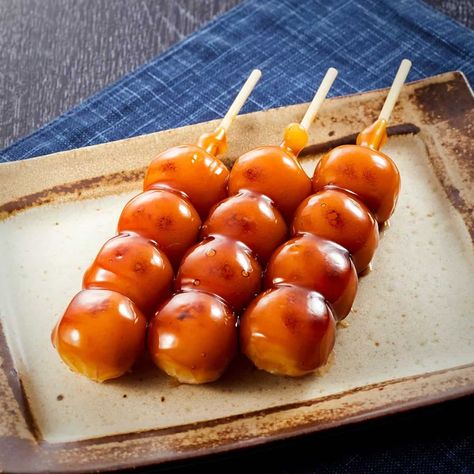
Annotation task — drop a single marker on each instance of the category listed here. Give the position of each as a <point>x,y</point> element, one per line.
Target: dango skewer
<point>102,331</point>
<point>226,267</point>
<point>312,280</point>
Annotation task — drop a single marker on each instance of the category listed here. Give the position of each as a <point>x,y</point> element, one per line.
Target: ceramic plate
<point>409,340</point>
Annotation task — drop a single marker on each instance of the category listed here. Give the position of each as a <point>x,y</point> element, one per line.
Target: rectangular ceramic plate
<point>410,339</point>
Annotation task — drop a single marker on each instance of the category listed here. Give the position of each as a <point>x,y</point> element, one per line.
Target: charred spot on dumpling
<point>164,222</point>
<point>252,174</point>
<point>334,219</point>
<point>168,166</point>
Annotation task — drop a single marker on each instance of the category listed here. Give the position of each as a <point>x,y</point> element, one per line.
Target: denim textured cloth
<point>292,41</point>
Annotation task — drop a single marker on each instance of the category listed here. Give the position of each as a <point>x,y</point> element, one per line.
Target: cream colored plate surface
<point>413,315</point>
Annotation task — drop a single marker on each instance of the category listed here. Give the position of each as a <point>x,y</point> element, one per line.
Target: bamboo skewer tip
<point>319,98</point>
<point>395,89</point>
<point>240,99</point>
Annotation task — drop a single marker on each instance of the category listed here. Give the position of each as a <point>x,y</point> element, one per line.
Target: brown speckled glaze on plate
<point>410,339</point>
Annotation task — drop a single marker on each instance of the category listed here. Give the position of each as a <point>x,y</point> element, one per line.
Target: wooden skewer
<point>239,101</point>
<point>395,90</point>
<point>318,98</point>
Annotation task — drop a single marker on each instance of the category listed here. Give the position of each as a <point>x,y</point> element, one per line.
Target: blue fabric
<point>292,41</point>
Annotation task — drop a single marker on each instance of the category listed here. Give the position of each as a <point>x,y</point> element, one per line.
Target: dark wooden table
<point>55,53</point>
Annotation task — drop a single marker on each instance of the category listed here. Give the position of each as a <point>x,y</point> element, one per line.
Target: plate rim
<point>458,381</point>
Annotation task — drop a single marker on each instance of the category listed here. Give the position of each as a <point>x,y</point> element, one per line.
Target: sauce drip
<point>374,136</point>
<point>215,143</point>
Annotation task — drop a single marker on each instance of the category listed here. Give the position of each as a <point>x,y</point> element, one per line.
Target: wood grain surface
<point>460,10</point>
<point>56,53</point>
